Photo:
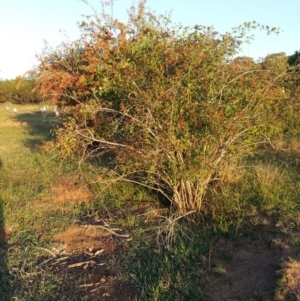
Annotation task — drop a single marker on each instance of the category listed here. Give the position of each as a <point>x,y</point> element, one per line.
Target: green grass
<point>266,192</point>
<point>165,260</point>
<point>164,272</point>
<point>26,174</point>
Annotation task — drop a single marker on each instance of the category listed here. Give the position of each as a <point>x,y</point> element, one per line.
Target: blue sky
<point>25,24</point>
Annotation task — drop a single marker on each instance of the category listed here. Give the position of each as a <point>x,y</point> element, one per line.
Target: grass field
<point>64,236</point>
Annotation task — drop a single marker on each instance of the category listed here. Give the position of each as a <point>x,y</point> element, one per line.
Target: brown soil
<point>250,266</point>
<point>78,239</point>
<point>85,244</point>
<point>70,190</point>
<point>250,271</point>
<point>95,248</point>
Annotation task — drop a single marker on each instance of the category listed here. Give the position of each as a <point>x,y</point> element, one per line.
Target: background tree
<point>19,90</point>
<point>6,91</point>
<point>294,59</point>
<point>278,62</point>
<point>243,63</point>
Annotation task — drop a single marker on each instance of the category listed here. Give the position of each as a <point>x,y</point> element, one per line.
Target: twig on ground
<point>110,230</point>
<point>79,264</point>
<point>44,262</point>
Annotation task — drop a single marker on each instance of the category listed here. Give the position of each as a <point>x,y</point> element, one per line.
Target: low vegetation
<point>171,173</point>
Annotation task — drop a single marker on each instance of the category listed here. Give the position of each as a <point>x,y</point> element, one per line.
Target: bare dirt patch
<point>70,190</point>
<point>87,271</point>
<point>247,269</point>
<point>84,265</point>
<point>249,272</point>
<point>79,238</point>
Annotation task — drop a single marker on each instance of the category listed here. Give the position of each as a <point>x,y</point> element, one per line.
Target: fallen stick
<point>44,262</point>
<point>79,264</point>
<point>61,259</point>
<point>112,231</point>
<point>86,285</point>
<point>99,252</point>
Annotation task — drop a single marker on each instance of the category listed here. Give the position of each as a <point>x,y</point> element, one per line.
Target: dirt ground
<point>88,248</point>
<point>69,190</point>
<point>90,251</point>
<point>247,269</point>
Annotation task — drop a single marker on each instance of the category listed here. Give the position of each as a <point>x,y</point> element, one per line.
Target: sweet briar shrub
<point>169,103</point>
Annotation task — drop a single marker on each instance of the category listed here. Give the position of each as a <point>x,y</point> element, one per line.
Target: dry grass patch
<point>270,174</point>
<point>10,123</point>
<point>289,283</point>
<point>287,144</point>
<point>231,175</point>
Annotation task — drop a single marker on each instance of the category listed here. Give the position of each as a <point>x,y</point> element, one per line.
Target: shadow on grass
<point>39,125</point>
<point>5,288</point>
<point>172,272</point>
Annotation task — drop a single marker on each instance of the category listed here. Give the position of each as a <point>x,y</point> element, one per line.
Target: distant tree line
<point>19,90</point>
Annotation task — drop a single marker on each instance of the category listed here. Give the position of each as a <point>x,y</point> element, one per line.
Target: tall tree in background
<point>19,90</point>
<point>294,59</point>
<point>6,91</point>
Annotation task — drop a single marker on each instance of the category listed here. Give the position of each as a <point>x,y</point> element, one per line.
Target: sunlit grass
<point>157,267</point>
<point>27,172</point>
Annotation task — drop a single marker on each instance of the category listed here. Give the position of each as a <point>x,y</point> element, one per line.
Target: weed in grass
<point>173,273</point>
<point>219,269</point>
<point>295,240</point>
